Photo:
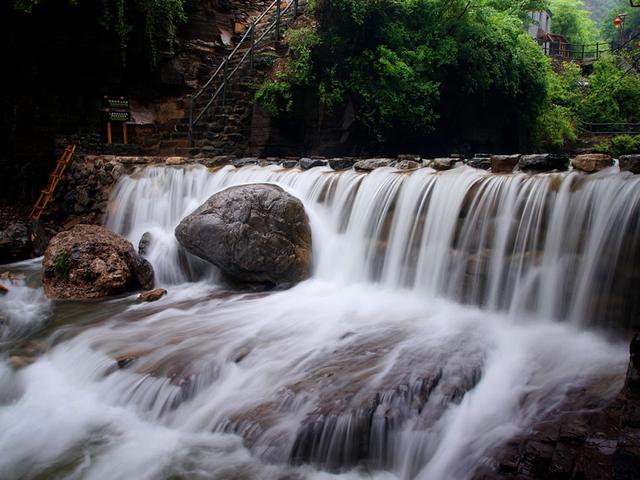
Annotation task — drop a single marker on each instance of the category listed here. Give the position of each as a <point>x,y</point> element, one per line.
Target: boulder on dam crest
<point>257,234</point>
<point>90,261</point>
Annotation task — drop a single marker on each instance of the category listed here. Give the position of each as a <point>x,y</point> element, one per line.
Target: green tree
<point>572,19</point>
<point>158,18</point>
<point>631,24</point>
<point>404,64</point>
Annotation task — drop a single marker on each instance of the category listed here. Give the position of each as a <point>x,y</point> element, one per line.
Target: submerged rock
<point>3,289</point>
<point>592,162</point>
<point>144,244</point>
<point>544,162</point>
<point>256,234</point>
<point>630,163</point>
<point>152,295</point>
<point>90,261</point>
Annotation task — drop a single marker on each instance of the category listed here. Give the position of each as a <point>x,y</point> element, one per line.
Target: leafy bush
<point>620,145</point>
<point>61,265</point>
<point>275,95</point>
<point>159,18</point>
<point>612,95</point>
<point>404,63</point>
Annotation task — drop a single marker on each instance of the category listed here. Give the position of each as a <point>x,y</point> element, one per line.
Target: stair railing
<point>224,67</point>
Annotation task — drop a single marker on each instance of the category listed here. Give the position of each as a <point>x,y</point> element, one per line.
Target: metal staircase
<point>210,116</point>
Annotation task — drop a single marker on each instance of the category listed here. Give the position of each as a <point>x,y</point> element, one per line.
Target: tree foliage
<point>572,19</point>
<point>402,63</point>
<point>158,18</point>
<point>631,24</point>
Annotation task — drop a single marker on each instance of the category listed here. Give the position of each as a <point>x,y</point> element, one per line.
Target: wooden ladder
<point>54,179</point>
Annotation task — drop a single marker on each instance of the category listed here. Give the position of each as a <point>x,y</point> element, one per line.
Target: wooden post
<point>109,133</point>
<point>125,137</point>
<point>583,46</point>
<point>295,8</point>
<point>597,50</point>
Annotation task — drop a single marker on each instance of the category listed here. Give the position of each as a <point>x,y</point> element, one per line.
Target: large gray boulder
<point>256,234</point>
<point>90,261</point>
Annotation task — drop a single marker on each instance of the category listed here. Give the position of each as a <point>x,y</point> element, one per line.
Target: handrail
<point>612,128</point>
<point>223,67</point>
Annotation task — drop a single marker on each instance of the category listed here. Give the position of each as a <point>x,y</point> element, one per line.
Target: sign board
<point>116,116</point>
<point>120,103</point>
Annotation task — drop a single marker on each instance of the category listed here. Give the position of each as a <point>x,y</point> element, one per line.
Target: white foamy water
<point>445,314</point>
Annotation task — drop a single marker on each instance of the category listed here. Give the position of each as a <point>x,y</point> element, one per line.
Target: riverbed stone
<point>144,244</point>
<point>442,164</point>
<point>257,234</point>
<point>246,161</point>
<point>544,162</point>
<point>630,163</point>
<point>371,164</point>
<point>3,290</point>
<point>308,163</point>
<point>89,261</point>
<point>341,163</point>
<point>481,161</point>
<point>408,165</point>
<point>289,163</point>
<point>15,242</point>
<point>152,295</point>
<point>504,163</point>
<point>592,162</point>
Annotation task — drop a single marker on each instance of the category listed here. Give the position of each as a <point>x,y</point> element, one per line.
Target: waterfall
<point>447,312</point>
<point>562,246</point>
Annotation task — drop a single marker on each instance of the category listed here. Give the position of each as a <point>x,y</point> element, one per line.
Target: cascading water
<point>446,312</point>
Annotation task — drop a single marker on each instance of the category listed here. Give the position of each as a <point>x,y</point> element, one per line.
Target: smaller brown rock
<point>592,162</point>
<point>152,295</point>
<point>3,289</point>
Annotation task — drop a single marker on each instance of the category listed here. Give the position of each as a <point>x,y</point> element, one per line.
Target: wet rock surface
<point>585,438</point>
<point>152,295</point>
<point>630,163</point>
<point>544,162</point>
<point>592,162</point>
<point>371,164</point>
<point>90,261</point>
<point>481,161</point>
<point>256,234</point>
<point>504,163</point>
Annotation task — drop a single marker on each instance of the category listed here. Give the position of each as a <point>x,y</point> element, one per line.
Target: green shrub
<point>61,265</point>
<point>619,145</point>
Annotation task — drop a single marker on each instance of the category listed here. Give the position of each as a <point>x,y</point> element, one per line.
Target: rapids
<point>446,313</point>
